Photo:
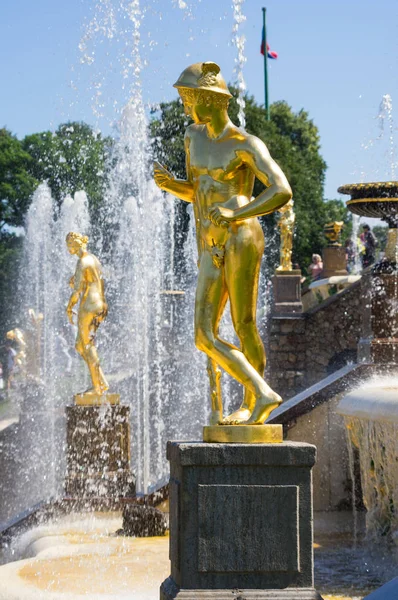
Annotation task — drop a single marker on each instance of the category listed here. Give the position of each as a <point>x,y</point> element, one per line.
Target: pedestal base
<point>243,434</point>
<point>334,261</point>
<point>98,455</point>
<point>240,522</point>
<point>169,591</point>
<point>287,292</point>
<point>96,399</point>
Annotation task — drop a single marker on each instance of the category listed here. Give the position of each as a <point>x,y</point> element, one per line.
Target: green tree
<point>293,141</point>
<point>16,188</point>
<point>17,183</point>
<point>72,158</point>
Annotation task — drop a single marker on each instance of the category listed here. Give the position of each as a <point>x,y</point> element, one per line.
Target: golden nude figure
<point>88,287</point>
<point>286,228</point>
<point>222,162</point>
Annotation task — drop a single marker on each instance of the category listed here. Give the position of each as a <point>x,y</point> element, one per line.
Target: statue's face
<point>73,246</point>
<point>196,105</point>
<point>201,113</point>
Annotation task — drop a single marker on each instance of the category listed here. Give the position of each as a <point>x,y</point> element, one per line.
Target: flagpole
<point>266,103</point>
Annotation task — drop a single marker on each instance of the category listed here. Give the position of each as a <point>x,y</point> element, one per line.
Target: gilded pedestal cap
<point>203,76</point>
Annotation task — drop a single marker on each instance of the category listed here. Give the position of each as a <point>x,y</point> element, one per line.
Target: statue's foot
<point>96,391</point>
<point>238,416</point>
<point>215,417</point>
<point>264,406</point>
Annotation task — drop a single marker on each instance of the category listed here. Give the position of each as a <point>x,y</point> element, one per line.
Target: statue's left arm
<point>77,290</point>
<point>256,156</point>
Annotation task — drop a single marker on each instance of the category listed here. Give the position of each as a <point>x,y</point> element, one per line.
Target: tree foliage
<point>294,143</point>
<point>72,158</point>
<point>17,183</point>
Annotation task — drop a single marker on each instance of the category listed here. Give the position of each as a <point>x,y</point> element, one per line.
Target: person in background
<point>370,242</point>
<point>350,254</point>
<point>316,267</point>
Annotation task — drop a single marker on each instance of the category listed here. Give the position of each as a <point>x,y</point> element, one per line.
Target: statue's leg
<point>242,271</point>
<point>214,374</point>
<point>87,326</point>
<point>211,290</point>
<point>214,312</point>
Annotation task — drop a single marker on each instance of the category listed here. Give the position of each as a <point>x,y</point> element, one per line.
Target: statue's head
<point>76,241</point>
<point>202,88</point>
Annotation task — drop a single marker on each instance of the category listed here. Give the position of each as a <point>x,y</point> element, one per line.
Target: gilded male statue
<point>222,162</point>
<point>88,288</point>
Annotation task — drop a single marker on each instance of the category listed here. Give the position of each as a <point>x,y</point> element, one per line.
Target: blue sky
<point>336,60</point>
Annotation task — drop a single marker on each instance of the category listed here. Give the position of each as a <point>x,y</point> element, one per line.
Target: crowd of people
<point>360,254</point>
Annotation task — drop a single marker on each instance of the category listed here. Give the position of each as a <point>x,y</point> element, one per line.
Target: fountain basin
<point>376,401</point>
<point>80,556</point>
<point>375,200</point>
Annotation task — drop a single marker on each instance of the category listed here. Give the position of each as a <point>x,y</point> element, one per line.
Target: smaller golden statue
<point>332,232</point>
<point>88,287</point>
<point>17,335</point>
<point>286,227</point>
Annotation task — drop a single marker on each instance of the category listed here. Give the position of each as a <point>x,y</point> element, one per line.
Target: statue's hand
<point>221,216</point>
<point>161,175</point>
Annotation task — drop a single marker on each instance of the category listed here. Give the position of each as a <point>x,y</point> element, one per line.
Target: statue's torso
<point>219,176</point>
<point>89,272</point>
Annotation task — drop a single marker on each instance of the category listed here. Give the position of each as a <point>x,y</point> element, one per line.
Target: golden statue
<point>88,287</point>
<point>222,162</point>
<point>286,227</point>
<point>332,232</point>
<point>17,335</point>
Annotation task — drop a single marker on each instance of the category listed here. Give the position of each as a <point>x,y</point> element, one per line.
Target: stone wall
<point>305,348</point>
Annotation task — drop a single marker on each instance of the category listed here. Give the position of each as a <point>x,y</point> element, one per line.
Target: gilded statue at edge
<point>286,228</point>
<point>88,288</point>
<point>222,162</point>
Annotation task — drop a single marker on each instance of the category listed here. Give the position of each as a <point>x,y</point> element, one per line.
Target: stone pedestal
<point>98,451</point>
<point>287,292</point>
<point>240,522</point>
<point>379,341</point>
<point>334,261</point>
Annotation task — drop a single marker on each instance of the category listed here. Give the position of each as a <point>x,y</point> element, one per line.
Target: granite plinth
<point>287,292</point>
<point>243,434</point>
<point>98,451</point>
<point>240,521</point>
<point>334,261</point>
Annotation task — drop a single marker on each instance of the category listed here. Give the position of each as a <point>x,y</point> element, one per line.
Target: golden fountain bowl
<point>377,200</point>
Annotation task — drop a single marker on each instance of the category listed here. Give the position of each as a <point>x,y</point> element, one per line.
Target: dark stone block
<point>287,293</point>
<point>143,521</point>
<point>240,520</point>
<point>221,541</point>
<point>98,451</point>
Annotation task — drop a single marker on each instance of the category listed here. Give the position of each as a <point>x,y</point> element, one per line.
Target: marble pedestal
<point>287,292</point>
<point>240,522</point>
<point>98,451</point>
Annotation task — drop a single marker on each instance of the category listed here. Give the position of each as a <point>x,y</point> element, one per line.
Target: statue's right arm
<point>178,187</point>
